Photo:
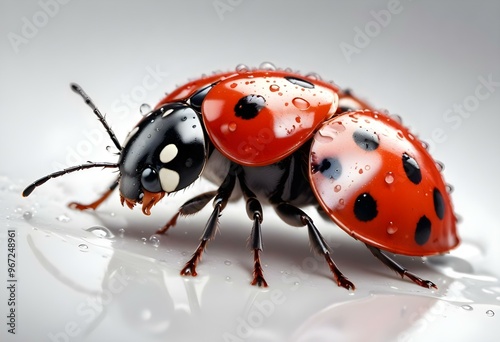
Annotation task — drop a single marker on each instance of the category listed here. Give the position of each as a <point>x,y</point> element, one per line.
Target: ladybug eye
<point>150,180</point>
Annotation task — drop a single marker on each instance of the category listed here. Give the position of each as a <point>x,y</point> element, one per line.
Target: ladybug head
<point>164,153</point>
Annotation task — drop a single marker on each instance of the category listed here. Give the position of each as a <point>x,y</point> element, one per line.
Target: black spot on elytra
<point>368,141</point>
<point>438,203</point>
<point>300,82</point>
<point>423,230</point>
<point>412,169</point>
<point>330,168</point>
<point>249,106</point>
<point>365,207</point>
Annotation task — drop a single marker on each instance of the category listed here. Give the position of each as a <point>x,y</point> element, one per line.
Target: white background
<point>422,62</point>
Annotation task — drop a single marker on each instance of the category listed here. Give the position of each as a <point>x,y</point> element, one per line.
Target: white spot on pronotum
<point>168,153</point>
<point>169,179</point>
<point>130,135</point>
<point>168,111</point>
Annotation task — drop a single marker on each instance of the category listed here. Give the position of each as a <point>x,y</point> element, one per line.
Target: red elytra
<point>288,111</point>
<point>379,183</point>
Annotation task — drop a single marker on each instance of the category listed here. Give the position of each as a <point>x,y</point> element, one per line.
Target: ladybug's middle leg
<point>403,272</point>
<point>219,203</point>
<point>254,212</point>
<point>98,202</point>
<point>296,217</point>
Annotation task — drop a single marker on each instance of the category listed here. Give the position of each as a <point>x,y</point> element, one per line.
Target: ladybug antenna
<point>77,89</point>
<point>29,189</point>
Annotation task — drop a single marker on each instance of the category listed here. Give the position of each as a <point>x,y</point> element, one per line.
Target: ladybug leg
<point>96,203</point>
<point>403,272</point>
<point>219,203</point>
<point>296,217</point>
<point>254,212</point>
<point>190,207</point>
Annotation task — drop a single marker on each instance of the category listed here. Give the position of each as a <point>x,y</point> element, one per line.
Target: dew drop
<point>227,262</point>
<point>300,103</point>
<point>274,87</point>
<point>400,135</point>
<point>27,215</point>
<point>101,232</point>
<point>313,76</point>
<point>490,313</point>
<point>121,232</point>
<point>144,240</point>
<point>267,66</point>
<point>341,203</point>
<point>389,178</point>
<point>391,228</point>
<point>396,118</point>
<point>184,118</point>
<point>155,241</point>
<point>83,247</point>
<point>467,307</point>
<point>228,279</point>
<point>242,68</point>
<point>337,188</point>
<point>145,109</point>
<point>367,167</point>
<point>232,126</point>
<point>449,188</point>
<point>63,218</point>
<point>233,85</point>
<point>439,165</point>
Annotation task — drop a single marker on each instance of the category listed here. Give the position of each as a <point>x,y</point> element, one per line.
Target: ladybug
<point>279,138</point>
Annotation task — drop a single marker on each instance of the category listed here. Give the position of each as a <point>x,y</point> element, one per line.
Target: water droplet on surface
<point>389,178</point>
<point>367,167</point>
<point>144,109</point>
<point>27,215</point>
<point>232,126</point>
<point>227,262</point>
<point>83,247</point>
<point>300,103</point>
<point>274,87</point>
<point>184,118</point>
<point>144,240</point>
<point>449,188</point>
<point>337,188</point>
<point>400,135</point>
<point>396,118</point>
<point>233,85</point>
<point>391,228</point>
<point>242,68</point>
<point>155,241</point>
<point>63,218</point>
<point>228,279</point>
<point>121,232</point>
<point>267,66</point>
<point>101,232</point>
<point>467,307</point>
<point>490,313</point>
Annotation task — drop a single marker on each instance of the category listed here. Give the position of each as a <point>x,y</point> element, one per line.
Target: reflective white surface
<point>103,276</point>
<point>433,63</point>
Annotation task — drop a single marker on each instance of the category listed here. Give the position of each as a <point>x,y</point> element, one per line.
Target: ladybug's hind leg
<point>296,217</point>
<point>403,272</point>
<point>98,202</point>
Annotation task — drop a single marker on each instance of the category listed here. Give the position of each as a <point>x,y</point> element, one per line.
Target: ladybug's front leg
<point>98,202</point>
<point>190,207</point>
<point>220,201</point>
<point>296,217</point>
